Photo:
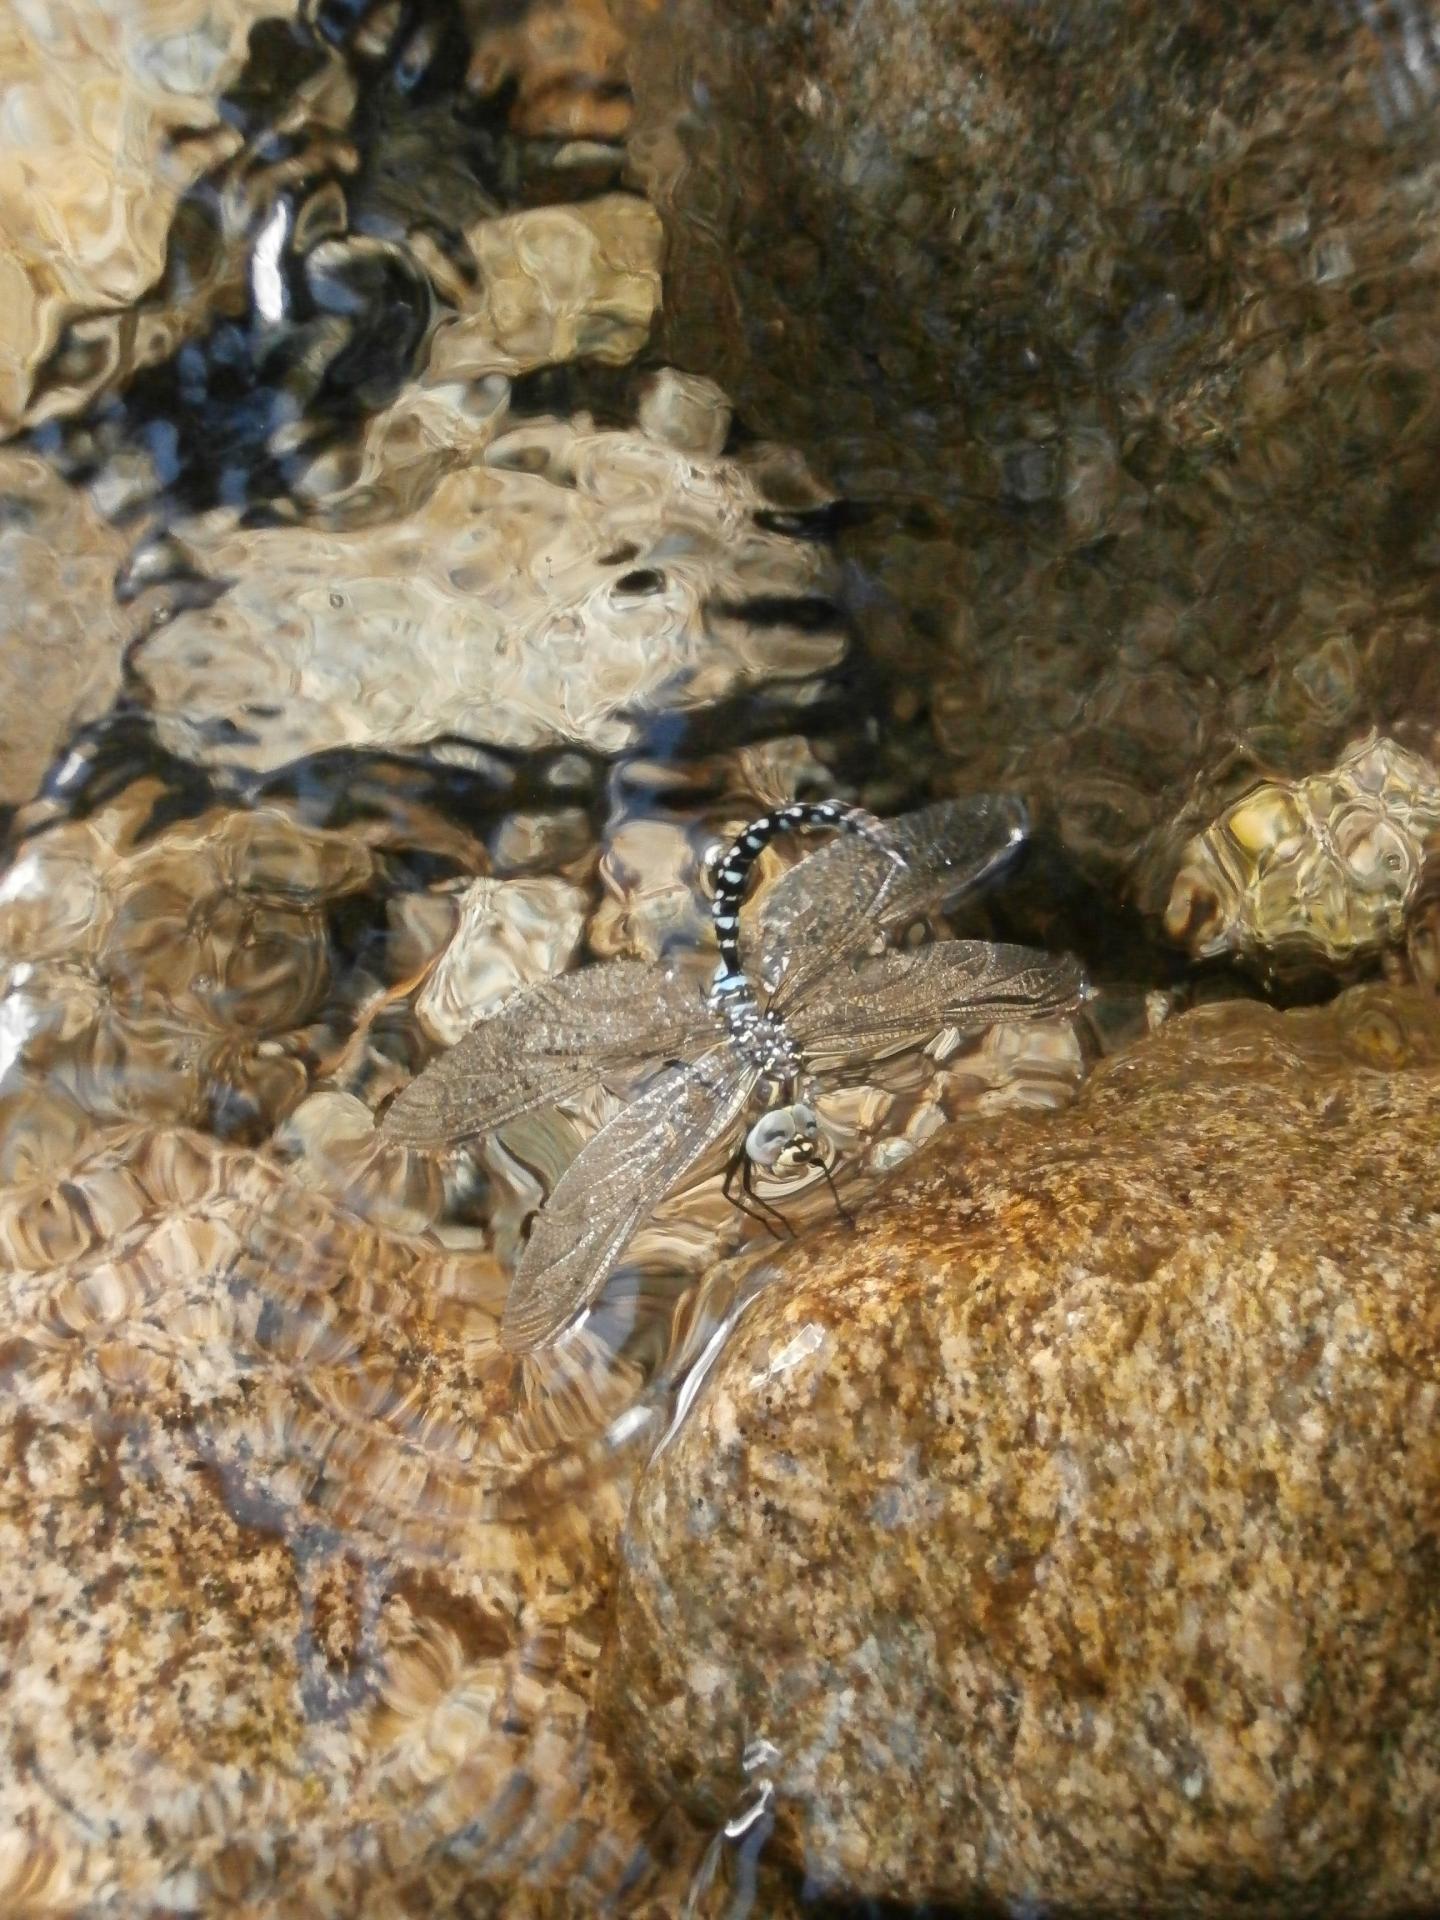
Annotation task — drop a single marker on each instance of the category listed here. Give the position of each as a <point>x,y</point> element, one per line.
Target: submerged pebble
<point>511,932</point>
<point>1322,870</point>
<point>559,283</point>
<point>1069,1529</point>
<point>110,115</point>
<point>174,977</point>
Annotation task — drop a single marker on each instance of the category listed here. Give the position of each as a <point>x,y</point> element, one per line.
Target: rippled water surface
<point>461,461</point>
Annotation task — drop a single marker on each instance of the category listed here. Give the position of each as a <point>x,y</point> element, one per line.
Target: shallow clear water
<point>461,462</point>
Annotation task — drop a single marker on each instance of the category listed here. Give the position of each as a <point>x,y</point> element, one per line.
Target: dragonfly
<point>813,986</point>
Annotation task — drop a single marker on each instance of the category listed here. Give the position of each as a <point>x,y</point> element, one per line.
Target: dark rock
<point>1123,317</point>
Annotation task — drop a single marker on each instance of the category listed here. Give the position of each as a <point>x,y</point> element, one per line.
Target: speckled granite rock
<point>1072,1531</point>
<point>304,1581</point>
<point>1122,317</point>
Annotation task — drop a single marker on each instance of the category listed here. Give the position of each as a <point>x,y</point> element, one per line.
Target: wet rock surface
<point>1119,321</point>
<point>422,536</point>
<point>306,256</point>
<point>184,977</point>
<point>263,1455</point>
<point>303,1606</point>
<point>235,166</point>
<point>1070,1530</point>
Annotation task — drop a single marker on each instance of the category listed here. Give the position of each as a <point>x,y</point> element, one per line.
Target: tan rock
<point>167,977</point>
<point>61,633</point>
<point>511,932</point>
<point>685,412</point>
<point>1071,1529</point>
<point>110,117</point>
<point>295,1610</point>
<point>571,583</point>
<point>304,1580</point>
<point>559,283</point>
<point>565,60</point>
<point>109,114</point>
<point>544,286</point>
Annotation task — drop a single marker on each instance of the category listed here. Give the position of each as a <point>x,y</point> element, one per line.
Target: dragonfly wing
<point>969,984</point>
<point>546,1042</point>
<point>613,1184</point>
<point>830,906</point>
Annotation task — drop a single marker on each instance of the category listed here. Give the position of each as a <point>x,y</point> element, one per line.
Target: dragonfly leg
<point>758,1209</point>
<point>747,1182</point>
<point>840,1206</point>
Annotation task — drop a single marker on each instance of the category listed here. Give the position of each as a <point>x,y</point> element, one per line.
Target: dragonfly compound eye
<point>771,1137</point>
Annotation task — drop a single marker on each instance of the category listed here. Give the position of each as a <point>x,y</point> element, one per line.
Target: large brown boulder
<point>1071,1529</point>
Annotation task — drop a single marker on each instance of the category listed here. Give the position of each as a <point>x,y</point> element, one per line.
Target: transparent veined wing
<point>961,983</point>
<point>548,1041</point>
<point>611,1187</point>
<point>830,906</point>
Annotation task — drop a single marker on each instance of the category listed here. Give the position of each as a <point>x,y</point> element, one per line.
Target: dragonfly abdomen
<point>732,875</point>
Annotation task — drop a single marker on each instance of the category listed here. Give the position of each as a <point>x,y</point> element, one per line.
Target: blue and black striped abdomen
<point>732,875</point>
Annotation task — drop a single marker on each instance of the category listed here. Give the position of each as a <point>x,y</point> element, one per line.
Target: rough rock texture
<point>1072,1530</point>
<point>1122,316</point>
<point>303,1580</point>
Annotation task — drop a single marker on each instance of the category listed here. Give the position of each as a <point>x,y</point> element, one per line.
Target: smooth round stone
<point>1071,1527</point>
<point>1327,869</point>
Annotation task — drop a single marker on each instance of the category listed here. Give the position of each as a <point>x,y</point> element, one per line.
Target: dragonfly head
<point>787,1134</point>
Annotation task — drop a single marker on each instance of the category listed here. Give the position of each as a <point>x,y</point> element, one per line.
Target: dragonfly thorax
<point>759,1036</point>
